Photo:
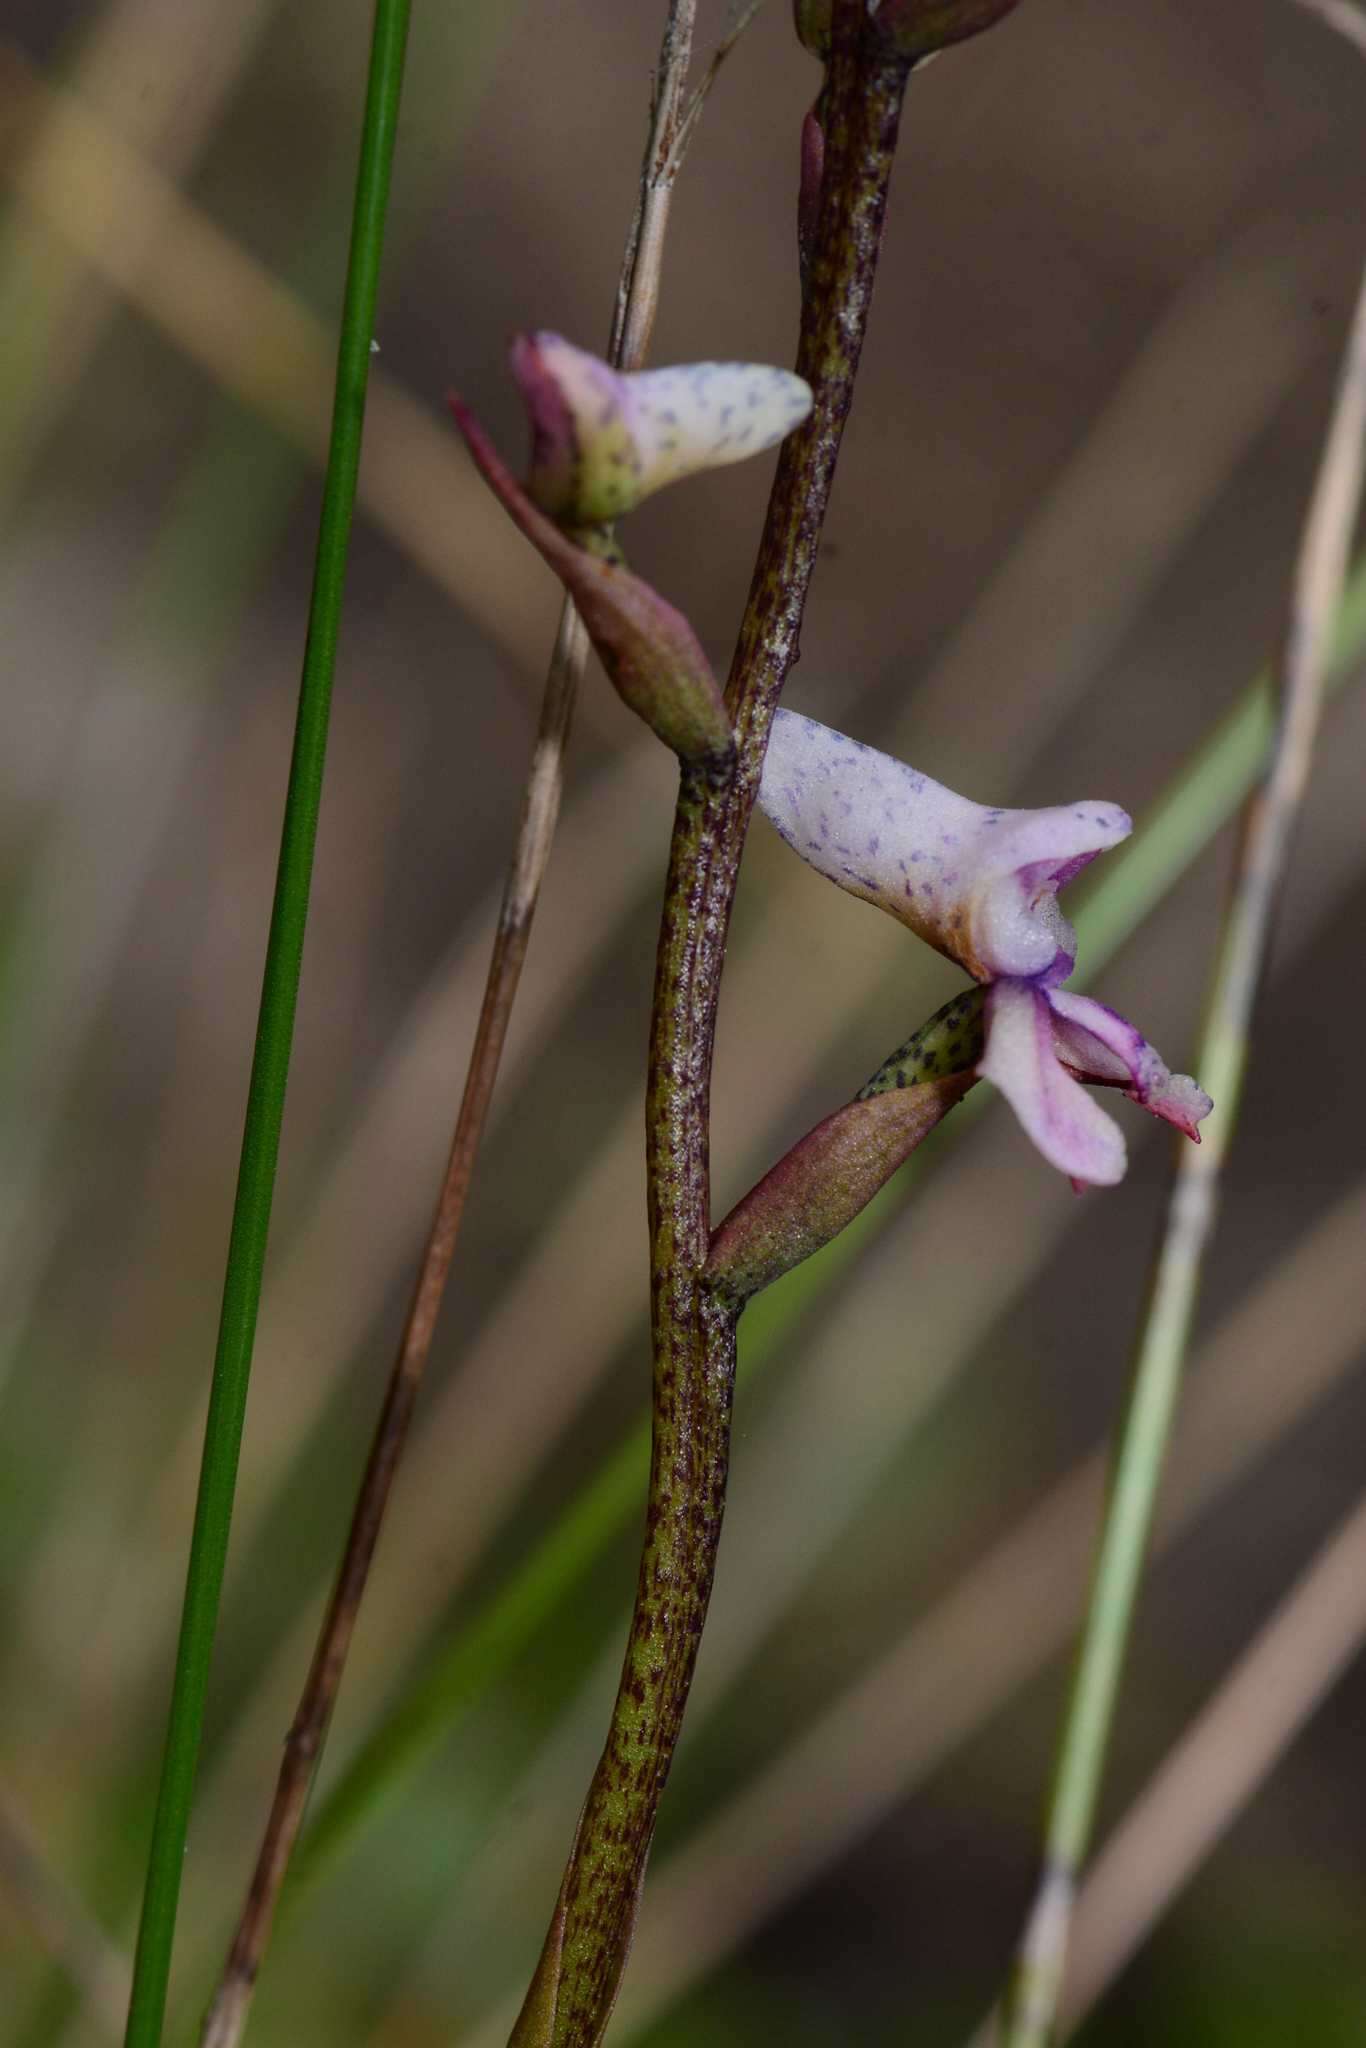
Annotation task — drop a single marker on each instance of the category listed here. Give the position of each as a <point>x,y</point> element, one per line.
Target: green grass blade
<point>275,1029</point>
<point>1178,827</point>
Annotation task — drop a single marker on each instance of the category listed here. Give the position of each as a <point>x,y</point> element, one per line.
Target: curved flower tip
<point>978,883</point>
<point>1043,1042</point>
<point>603,439</point>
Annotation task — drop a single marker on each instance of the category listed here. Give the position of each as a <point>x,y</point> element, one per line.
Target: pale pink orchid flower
<point>981,885</point>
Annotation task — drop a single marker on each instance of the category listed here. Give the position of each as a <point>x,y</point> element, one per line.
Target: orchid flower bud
<point>980,884</point>
<point>653,658</point>
<point>603,439</point>
<point>837,1168</point>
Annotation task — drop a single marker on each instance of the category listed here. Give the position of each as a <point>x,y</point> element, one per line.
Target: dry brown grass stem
<point>633,322</point>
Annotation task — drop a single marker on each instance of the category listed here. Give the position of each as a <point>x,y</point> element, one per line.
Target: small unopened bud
<point>603,439</point>
<point>837,1168</point>
<point>915,29</point>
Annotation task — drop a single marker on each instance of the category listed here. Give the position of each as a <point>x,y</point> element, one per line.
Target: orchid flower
<point>981,885</point>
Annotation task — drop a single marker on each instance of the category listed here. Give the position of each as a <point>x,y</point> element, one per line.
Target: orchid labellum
<point>981,885</point>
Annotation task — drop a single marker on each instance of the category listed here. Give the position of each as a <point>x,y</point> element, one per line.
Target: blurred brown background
<point>1122,250</point>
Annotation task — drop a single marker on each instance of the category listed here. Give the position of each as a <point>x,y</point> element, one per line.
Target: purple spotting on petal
<point>593,426</point>
<point>995,911</point>
<point>998,914</point>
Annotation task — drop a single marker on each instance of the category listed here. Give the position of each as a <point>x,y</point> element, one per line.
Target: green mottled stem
<point>693,1335</point>
<point>694,1368</point>
<point>860,113</point>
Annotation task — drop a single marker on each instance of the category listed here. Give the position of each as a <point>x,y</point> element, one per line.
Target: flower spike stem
<point>1164,1334</point>
<point>693,1332</point>
<point>638,297</point>
<point>274,1038</point>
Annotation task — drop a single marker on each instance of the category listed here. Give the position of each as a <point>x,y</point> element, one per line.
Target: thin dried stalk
<point>633,321</point>
<point>1268,829</point>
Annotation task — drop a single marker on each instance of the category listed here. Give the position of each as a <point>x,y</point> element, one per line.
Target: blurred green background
<point>1122,251</point>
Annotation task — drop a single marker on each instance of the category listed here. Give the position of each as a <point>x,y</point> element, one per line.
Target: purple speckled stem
<point>693,1333</point>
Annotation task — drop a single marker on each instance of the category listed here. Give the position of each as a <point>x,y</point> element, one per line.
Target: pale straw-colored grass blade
<point>1164,1334</point>
<point>1219,1764</point>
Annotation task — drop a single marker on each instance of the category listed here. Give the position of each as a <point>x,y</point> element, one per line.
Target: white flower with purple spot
<point>981,885</point>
